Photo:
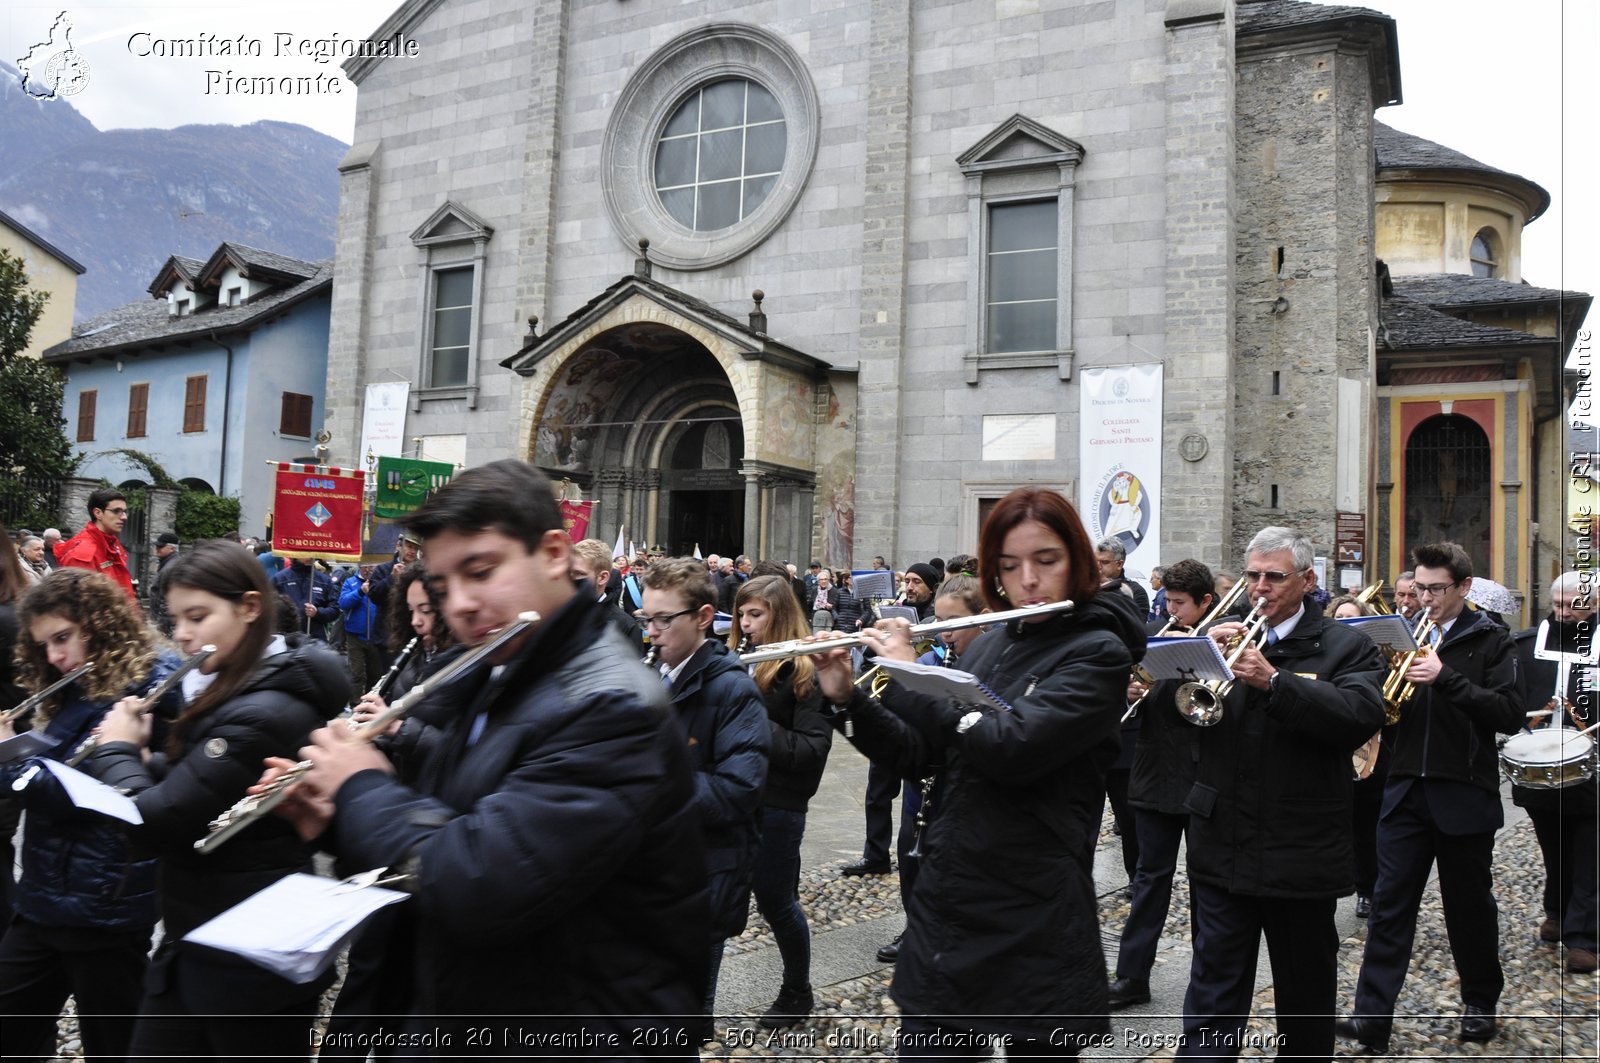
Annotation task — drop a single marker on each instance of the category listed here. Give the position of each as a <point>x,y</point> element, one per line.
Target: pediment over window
<point>1019,143</point>
<point>451,224</point>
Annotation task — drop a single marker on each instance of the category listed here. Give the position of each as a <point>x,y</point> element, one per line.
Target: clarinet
<point>251,807</point>
<point>88,745</point>
<point>928,783</point>
<point>403,658</point>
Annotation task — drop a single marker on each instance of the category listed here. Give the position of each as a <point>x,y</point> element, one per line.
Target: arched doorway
<point>1448,487</point>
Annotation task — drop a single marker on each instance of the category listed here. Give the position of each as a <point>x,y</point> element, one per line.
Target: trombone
<point>1396,689</point>
<point>1201,703</point>
<point>1217,610</point>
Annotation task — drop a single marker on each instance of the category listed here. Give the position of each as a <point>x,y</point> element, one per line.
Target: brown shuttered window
<point>194,405</point>
<point>138,406</point>
<point>86,403</point>
<point>295,417</point>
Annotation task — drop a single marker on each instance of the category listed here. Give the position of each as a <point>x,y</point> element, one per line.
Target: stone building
<point>555,216</point>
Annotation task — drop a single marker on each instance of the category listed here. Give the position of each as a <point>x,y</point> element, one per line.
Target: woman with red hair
<point>1002,941</point>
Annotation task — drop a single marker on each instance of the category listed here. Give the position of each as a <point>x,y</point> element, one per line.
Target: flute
<point>252,807</point>
<point>801,647</point>
<point>26,705</point>
<point>89,744</point>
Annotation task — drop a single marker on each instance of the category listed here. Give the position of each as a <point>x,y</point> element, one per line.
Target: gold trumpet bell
<point>877,679</point>
<point>1201,703</point>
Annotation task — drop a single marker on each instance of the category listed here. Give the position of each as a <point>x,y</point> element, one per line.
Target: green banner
<point>405,483</point>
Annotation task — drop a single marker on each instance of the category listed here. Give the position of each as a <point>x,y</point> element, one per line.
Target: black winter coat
<point>78,869</point>
<point>1003,929</point>
<point>1447,731</point>
<point>559,866</point>
<point>1539,681</point>
<point>1166,754</point>
<point>1270,807</point>
<point>801,737</point>
<point>290,695</point>
<point>721,712</point>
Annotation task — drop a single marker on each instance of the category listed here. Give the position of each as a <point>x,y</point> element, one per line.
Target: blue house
<point>222,370</point>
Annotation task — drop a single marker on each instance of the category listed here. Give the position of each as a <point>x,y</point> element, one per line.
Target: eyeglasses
<point>663,621</point>
<point>1252,576</point>
<point>1434,589</point>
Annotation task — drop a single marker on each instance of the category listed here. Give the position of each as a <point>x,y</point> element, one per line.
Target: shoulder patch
<point>216,747</point>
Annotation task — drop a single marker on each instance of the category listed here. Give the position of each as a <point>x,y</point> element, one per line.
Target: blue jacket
<point>309,585</point>
<point>77,867</point>
<point>729,739</point>
<point>362,618</point>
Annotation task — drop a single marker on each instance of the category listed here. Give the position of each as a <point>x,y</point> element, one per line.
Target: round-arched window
<point>720,154</point>
<point>1485,254</point>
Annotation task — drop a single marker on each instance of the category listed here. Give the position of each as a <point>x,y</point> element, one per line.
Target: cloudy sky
<point>1512,84</point>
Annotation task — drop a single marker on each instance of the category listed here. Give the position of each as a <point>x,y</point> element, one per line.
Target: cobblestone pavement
<point>1545,1011</point>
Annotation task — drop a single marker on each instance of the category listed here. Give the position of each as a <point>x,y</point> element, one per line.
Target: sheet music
<point>26,744</point>
<point>90,793</point>
<point>296,926</point>
<point>936,681</point>
<point>873,583</point>
<point>1391,632</point>
<point>1191,658</point>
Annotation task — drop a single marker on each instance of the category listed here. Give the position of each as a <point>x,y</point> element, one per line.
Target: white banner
<point>383,422</point>
<point>1119,455</point>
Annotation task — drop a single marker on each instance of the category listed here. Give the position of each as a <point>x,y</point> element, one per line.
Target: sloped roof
<point>1397,150</point>
<point>1462,290</point>
<point>761,345</point>
<point>253,262</point>
<point>44,245</point>
<point>148,321</point>
<point>178,267</point>
<point>1259,16</point>
<point>1411,326</point>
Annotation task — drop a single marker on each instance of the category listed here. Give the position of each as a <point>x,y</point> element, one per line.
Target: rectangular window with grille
<point>295,417</point>
<point>86,405</point>
<point>194,404</point>
<point>1022,291</point>
<point>138,407</point>
<point>452,327</point>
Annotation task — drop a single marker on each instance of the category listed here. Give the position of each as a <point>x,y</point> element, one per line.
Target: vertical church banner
<point>383,419</point>
<point>1119,455</point>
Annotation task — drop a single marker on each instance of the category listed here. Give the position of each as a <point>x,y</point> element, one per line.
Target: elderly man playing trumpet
<point>1270,846</point>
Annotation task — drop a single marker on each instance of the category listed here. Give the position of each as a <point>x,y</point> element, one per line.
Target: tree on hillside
<point>34,451</point>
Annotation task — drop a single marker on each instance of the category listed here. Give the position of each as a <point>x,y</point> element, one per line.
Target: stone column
<point>352,267</point>
<point>752,511</point>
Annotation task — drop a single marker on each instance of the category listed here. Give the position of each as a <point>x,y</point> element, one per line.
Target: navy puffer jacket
<point>77,867</point>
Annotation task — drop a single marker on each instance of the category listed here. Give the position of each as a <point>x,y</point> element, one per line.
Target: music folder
<point>935,681</point>
<point>1191,658</point>
<point>26,744</point>
<point>1389,632</point>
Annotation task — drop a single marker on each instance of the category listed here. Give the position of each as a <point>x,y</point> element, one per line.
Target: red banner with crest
<point>575,517</point>
<point>316,512</point>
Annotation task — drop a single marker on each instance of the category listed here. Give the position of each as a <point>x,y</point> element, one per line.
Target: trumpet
<point>1201,703</point>
<point>1219,609</point>
<point>779,651</point>
<point>1396,690</point>
<point>88,745</point>
<point>252,807</point>
<point>877,679</point>
<point>32,702</point>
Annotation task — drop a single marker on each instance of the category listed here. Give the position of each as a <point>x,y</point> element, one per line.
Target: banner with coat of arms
<point>405,483</point>
<point>575,517</point>
<point>1119,424</point>
<point>316,512</point>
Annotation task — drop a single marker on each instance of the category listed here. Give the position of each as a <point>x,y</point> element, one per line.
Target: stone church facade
<point>949,209</point>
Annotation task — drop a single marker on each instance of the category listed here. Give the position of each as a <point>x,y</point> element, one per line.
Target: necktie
<point>1272,637</point>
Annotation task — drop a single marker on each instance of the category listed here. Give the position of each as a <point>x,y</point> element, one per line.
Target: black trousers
<point>882,785</point>
<point>1160,834</point>
<point>377,987</point>
<point>1303,947</point>
<point>1409,841</point>
<point>1567,838</point>
<point>167,1029</point>
<point>1364,807</point>
<point>41,966</point>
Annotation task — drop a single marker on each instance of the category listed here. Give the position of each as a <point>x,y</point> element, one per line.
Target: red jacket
<point>98,552</point>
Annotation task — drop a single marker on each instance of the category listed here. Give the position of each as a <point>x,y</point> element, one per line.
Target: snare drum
<point>1548,759</point>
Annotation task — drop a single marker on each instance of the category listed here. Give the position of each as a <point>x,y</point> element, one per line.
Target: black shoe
<point>791,1007</point>
<point>1478,1024</point>
<point>891,952</point>
<point>1550,931</point>
<point>1372,1033</point>
<point>866,868</point>
<point>1126,992</point>
<point>1363,906</point>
